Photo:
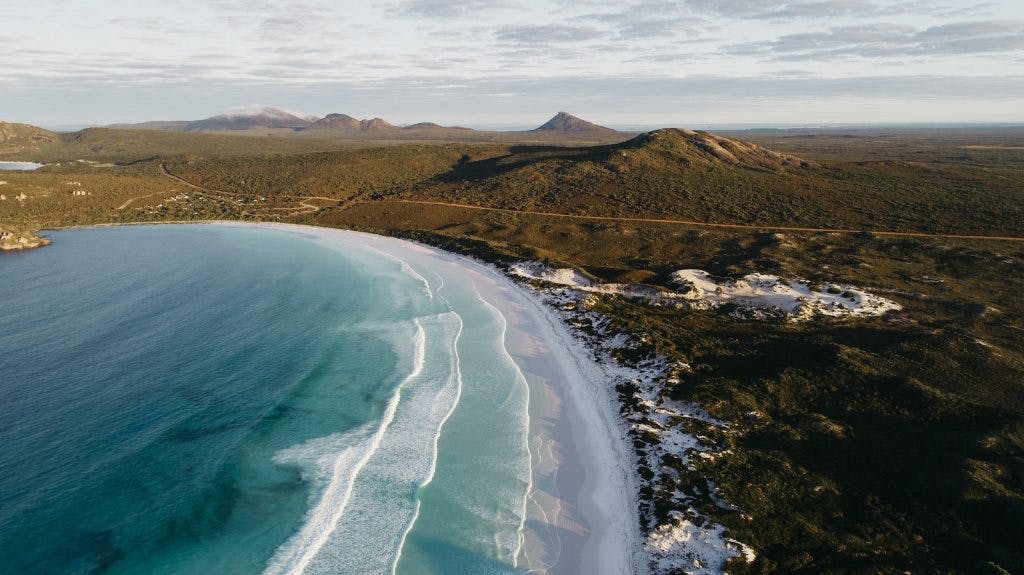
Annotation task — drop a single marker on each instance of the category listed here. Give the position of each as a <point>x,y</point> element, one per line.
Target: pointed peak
<point>567,123</point>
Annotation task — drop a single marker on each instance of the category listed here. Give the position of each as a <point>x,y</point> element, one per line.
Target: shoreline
<point>582,514</point>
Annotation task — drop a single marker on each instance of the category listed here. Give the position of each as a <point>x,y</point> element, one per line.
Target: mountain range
<point>270,118</point>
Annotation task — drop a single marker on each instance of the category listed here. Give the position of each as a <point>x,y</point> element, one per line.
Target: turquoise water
<point>229,399</point>
<point>20,166</point>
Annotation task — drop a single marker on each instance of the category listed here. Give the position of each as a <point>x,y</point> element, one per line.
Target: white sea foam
<point>339,460</point>
<point>368,536</point>
<point>521,380</point>
<point>610,540</point>
<point>437,435</point>
<point>408,270</point>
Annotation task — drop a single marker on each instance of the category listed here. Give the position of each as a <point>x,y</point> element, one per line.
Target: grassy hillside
<point>341,175</point>
<point>700,177</point>
<point>19,140</point>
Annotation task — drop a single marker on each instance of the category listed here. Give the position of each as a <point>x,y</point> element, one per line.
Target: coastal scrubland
<point>855,445</point>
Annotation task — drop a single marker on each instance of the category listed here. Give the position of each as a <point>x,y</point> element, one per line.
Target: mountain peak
<point>567,123</point>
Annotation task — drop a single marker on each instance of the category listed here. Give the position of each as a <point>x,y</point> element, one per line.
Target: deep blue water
<point>227,399</point>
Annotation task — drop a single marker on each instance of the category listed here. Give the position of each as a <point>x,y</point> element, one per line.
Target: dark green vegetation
<point>696,176</point>
<point>856,446</point>
<point>869,446</point>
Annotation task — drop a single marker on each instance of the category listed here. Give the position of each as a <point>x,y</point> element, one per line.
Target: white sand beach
<point>581,512</point>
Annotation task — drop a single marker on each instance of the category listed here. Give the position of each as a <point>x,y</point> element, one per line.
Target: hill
<point>21,139</point>
<point>231,121</point>
<point>563,128</point>
<point>249,119</point>
<point>346,123</point>
<point>566,123</point>
<point>433,126</point>
<point>700,176</point>
<point>159,125</point>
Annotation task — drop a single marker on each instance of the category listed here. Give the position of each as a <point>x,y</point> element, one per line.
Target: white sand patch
<point>683,546</point>
<point>542,271</point>
<point>795,298</point>
<point>665,427</point>
<point>756,296</point>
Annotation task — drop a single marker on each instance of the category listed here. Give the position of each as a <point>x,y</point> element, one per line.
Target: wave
<point>437,435</point>
<point>360,523</point>
<point>341,457</point>
<point>408,270</point>
<point>520,379</point>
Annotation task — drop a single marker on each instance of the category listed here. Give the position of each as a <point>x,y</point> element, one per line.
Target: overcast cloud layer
<point>477,62</point>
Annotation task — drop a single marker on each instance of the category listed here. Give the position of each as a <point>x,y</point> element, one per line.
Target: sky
<point>484,63</point>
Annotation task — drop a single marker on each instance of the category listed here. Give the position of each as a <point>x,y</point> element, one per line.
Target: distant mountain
<point>423,126</point>
<point>336,122</point>
<point>169,125</point>
<point>566,123</point>
<point>374,124</point>
<point>234,120</point>
<point>433,126</point>
<point>249,119</point>
<point>561,128</point>
<point>346,123</point>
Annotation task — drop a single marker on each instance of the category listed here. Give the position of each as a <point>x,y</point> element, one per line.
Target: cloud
<point>760,9</point>
<point>824,9</point>
<point>451,8</point>
<point>501,47</point>
<point>546,34</point>
<point>891,40</point>
<point>689,100</point>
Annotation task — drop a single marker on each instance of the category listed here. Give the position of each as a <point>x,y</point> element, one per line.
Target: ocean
<point>240,400</point>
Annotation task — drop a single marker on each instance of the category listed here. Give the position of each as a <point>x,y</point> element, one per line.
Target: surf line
<point>323,519</point>
<point>408,269</point>
<point>521,378</point>
<point>457,373</point>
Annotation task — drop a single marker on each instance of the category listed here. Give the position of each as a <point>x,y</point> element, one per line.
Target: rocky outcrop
<point>12,238</point>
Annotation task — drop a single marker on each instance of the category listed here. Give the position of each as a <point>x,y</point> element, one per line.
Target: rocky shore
<point>12,238</point>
